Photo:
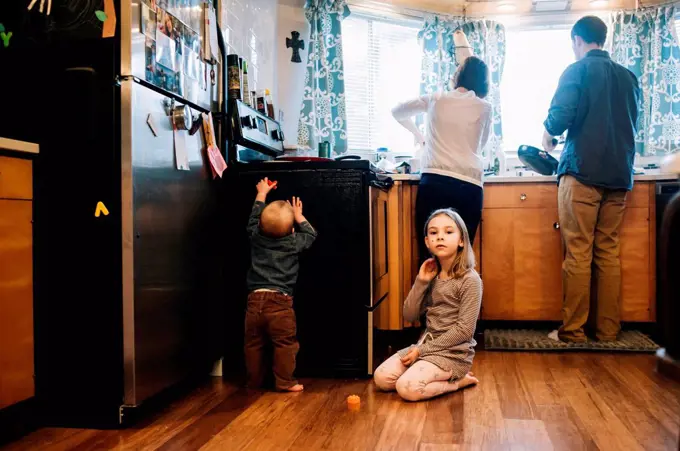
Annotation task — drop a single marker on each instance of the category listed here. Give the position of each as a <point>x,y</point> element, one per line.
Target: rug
<point>537,340</point>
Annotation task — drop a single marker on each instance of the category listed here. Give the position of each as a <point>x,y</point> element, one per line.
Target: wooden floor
<point>526,401</point>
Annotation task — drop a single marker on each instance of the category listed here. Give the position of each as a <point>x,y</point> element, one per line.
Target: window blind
<point>382,67</point>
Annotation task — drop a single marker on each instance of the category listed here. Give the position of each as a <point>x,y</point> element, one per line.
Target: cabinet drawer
<point>520,195</point>
<point>16,302</point>
<point>640,195</point>
<point>16,178</point>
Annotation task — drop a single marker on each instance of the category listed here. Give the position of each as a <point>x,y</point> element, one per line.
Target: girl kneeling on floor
<point>449,291</point>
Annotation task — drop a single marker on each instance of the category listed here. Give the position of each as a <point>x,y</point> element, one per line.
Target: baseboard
<point>667,365</point>
<point>18,420</point>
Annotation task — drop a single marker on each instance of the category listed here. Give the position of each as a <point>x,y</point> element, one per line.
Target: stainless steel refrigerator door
<point>164,212</point>
<point>141,42</point>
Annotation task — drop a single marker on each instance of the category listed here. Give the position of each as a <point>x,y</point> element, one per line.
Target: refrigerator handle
<point>223,114</point>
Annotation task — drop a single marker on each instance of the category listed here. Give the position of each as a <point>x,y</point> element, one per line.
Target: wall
<point>249,28</point>
<point>291,76</point>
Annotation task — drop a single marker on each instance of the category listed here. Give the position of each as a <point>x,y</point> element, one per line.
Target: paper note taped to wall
<point>181,156</point>
<point>216,160</point>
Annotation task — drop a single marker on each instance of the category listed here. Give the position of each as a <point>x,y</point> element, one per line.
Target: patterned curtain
<point>487,39</point>
<point>644,41</point>
<point>323,116</point>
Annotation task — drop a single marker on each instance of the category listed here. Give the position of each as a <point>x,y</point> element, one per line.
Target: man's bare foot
<point>468,379</point>
<point>295,388</point>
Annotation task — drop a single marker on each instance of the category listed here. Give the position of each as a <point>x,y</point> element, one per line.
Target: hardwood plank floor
<point>525,401</point>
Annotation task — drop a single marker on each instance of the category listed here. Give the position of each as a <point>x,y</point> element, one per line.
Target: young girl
<point>449,291</point>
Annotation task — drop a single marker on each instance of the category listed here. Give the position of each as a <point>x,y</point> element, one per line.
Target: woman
<point>458,126</point>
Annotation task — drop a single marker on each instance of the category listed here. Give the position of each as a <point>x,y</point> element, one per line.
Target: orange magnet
<point>353,402</point>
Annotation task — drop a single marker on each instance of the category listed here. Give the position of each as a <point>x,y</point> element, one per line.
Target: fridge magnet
<point>42,6</point>
<point>296,44</point>
<point>152,126</point>
<point>101,208</point>
<point>5,36</point>
<point>148,25</point>
<point>109,29</point>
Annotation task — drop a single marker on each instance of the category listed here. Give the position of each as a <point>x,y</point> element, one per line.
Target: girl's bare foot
<point>296,388</point>
<point>468,379</point>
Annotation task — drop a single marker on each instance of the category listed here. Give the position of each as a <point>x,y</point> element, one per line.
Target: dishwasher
<point>665,192</point>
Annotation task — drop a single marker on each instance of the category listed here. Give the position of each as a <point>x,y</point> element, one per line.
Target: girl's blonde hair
<point>465,258</point>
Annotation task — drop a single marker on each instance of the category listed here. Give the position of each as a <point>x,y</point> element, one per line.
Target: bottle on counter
<point>246,89</point>
<point>240,75</point>
<point>261,103</point>
<point>234,78</point>
<point>270,103</point>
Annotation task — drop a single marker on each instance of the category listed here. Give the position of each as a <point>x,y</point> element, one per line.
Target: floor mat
<point>537,340</point>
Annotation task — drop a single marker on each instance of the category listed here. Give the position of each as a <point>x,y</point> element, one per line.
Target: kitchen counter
<point>14,145</point>
<point>519,250</point>
<point>535,179</point>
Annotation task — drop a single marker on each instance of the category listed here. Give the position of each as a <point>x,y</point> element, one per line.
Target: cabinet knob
<point>556,226</point>
<point>522,197</point>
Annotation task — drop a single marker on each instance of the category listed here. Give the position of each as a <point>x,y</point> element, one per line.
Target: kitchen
<point>518,245</point>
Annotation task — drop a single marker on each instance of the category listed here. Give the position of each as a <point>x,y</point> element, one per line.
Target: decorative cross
<point>296,43</point>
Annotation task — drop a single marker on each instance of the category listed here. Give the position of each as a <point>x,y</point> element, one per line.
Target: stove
<point>333,299</point>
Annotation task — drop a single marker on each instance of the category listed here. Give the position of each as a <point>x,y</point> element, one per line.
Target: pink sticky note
<point>216,160</point>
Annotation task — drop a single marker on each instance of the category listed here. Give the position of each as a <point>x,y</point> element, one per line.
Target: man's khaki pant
<point>590,220</point>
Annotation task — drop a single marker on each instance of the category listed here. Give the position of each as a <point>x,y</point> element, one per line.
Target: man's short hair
<point>591,29</point>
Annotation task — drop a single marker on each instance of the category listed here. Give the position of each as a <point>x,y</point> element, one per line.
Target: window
<point>534,61</point>
<point>382,67</point>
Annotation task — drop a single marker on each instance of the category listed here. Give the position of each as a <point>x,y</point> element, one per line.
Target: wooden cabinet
<point>523,253</point>
<point>16,281</point>
<point>522,264</point>
<point>520,252</point>
<point>402,249</point>
<point>380,275</point>
<point>638,255</point>
<point>401,253</point>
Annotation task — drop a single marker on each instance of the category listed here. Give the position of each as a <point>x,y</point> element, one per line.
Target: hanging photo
<point>190,38</point>
<point>166,23</point>
<point>166,52</point>
<point>150,61</point>
<point>191,89</point>
<point>196,15</point>
<point>202,74</point>
<point>184,11</point>
<point>190,63</point>
<point>148,24</point>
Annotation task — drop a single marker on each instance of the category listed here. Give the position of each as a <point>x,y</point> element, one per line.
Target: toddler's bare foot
<point>468,379</point>
<point>296,388</point>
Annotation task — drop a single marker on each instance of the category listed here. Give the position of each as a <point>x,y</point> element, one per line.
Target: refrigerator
<point>127,270</point>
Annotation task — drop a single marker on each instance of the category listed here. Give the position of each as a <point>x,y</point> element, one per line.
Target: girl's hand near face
<point>428,270</point>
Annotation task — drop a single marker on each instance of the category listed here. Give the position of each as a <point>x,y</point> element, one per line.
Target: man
<point>596,102</point>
